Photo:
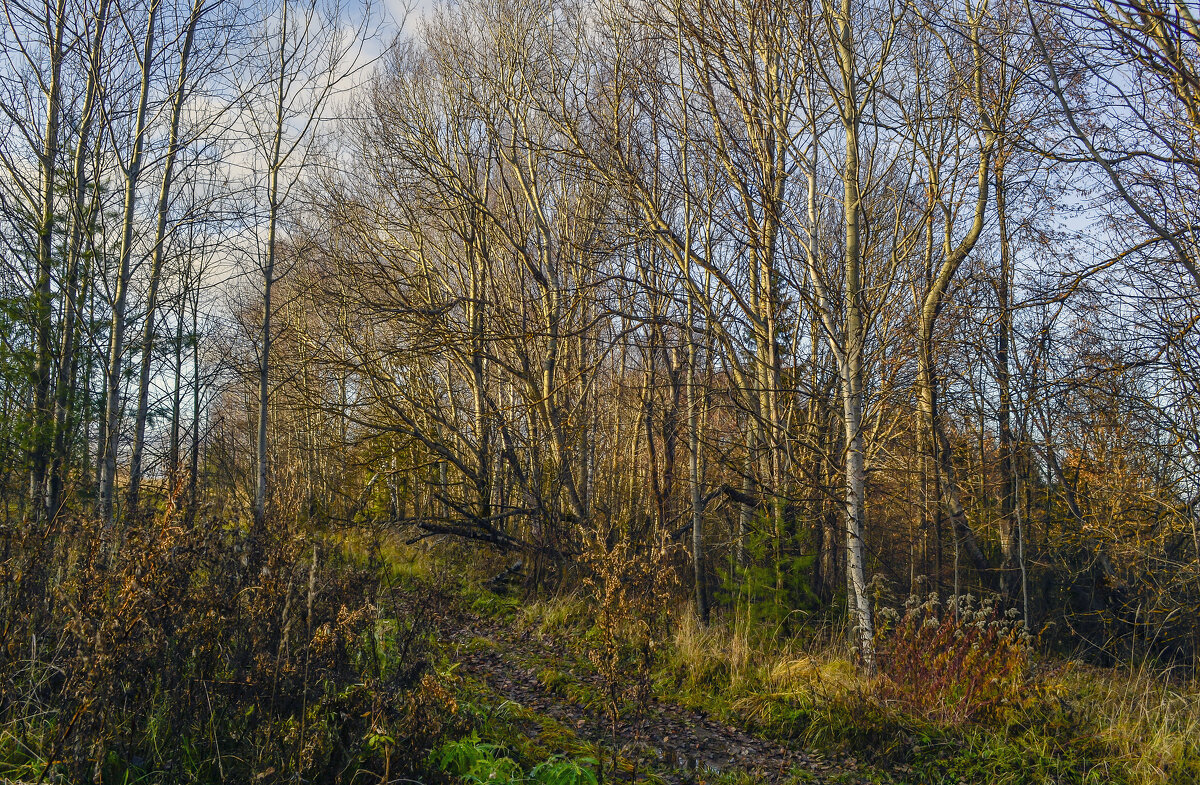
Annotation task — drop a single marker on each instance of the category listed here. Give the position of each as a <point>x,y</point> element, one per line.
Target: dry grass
<point>1149,722</point>
<point>756,669</point>
<point>1139,725</point>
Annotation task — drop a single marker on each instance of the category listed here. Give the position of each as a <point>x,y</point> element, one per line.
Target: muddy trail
<point>673,743</point>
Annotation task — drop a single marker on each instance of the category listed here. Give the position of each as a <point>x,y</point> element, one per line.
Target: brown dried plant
<point>630,585</point>
<point>175,651</point>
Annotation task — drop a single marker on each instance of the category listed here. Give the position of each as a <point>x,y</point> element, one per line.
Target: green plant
<point>737,777</point>
<point>561,616</point>
<point>561,770</point>
<point>554,680</point>
<point>476,761</point>
<point>978,754</point>
<point>473,760</point>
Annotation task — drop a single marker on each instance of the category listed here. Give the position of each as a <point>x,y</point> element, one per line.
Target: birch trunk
<point>80,218</point>
<point>41,438</point>
<point>133,172</point>
<point>159,256</point>
<point>850,365</point>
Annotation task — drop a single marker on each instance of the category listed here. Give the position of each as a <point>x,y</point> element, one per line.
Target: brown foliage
<point>175,650</point>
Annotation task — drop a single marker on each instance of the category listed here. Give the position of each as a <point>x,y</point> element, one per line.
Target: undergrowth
<point>164,650</point>
<point>960,697</point>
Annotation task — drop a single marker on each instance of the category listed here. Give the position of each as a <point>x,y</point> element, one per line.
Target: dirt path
<point>677,744</point>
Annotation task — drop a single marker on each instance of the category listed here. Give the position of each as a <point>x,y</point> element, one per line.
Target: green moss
<point>781,690</point>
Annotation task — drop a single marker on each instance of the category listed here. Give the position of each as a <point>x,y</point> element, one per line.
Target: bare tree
<point>304,59</point>
<point>37,43</point>
<point>131,168</point>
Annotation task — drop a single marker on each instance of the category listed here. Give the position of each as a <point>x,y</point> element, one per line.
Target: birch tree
<point>304,58</point>
<point>158,253</point>
<point>131,163</point>
<point>37,41</point>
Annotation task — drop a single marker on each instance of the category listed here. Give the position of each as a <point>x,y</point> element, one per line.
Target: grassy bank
<point>991,715</point>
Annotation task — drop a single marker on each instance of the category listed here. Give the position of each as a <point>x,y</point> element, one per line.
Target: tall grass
<point>742,660</point>
<point>1149,721</point>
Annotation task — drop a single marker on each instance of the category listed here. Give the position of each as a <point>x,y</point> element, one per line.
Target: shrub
<point>951,663</point>
<point>561,770</point>
<point>629,587</point>
<point>474,761</point>
<point>165,650</point>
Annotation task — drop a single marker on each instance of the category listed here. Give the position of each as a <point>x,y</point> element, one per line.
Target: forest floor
<point>549,697</point>
<point>735,702</point>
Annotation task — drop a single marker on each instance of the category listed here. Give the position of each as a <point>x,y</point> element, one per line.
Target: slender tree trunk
<point>951,497</point>
<point>41,438</point>
<point>81,219</point>
<point>478,364</point>
<point>694,479</point>
<point>851,365</point>
<point>133,172</point>
<point>264,388</point>
<point>194,456</point>
<point>771,381</point>
<point>748,487</point>
<point>176,400</point>
<point>264,367</point>
<point>158,258</point>
<point>1011,568</point>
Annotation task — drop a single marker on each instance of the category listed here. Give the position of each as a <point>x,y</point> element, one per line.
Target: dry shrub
<point>951,663</point>
<point>629,585</point>
<point>196,652</point>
